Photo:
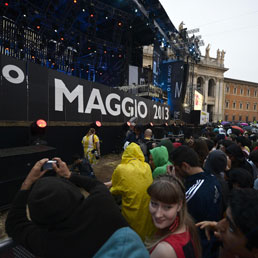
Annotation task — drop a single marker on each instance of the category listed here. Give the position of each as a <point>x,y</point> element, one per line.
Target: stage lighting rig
<point>92,12</point>
<point>120,24</point>
<point>37,132</point>
<point>95,125</point>
<point>6,45</point>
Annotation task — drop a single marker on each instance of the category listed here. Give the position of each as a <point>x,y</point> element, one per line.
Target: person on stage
<point>91,146</point>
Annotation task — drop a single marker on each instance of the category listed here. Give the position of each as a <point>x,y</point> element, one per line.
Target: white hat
<point>126,144</point>
<point>222,131</point>
<point>229,131</point>
<point>133,119</point>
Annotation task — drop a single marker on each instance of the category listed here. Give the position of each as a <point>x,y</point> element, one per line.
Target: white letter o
<point>142,115</point>
<point>6,73</point>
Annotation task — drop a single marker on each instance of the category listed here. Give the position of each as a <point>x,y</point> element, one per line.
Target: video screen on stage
<point>173,79</point>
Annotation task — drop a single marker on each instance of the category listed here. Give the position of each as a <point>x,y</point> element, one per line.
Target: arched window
<point>200,84</point>
<point>211,88</point>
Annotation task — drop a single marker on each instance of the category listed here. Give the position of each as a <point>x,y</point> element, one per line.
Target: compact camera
<point>49,165</point>
<point>95,153</point>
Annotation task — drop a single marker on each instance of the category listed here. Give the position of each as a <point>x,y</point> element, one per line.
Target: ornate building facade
<point>207,77</point>
<point>224,98</point>
<point>241,100</point>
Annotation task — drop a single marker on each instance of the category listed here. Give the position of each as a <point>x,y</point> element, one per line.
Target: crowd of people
<point>181,197</point>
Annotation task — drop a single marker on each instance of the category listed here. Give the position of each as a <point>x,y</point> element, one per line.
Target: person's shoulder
<point>206,181</point>
<point>164,250</point>
<point>160,171</point>
<point>122,170</point>
<point>119,167</point>
<point>210,179</point>
<point>205,188</point>
<point>201,184</point>
<point>195,188</point>
<point>195,179</point>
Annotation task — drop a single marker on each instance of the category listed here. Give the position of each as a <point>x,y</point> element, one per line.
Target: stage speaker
<point>15,165</point>
<point>195,117</point>
<point>175,130</point>
<point>159,132</point>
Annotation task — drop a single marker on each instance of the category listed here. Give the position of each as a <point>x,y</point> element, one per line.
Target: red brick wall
<point>240,97</point>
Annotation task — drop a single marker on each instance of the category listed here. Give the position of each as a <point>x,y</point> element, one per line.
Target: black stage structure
<point>60,61</point>
<point>95,40</point>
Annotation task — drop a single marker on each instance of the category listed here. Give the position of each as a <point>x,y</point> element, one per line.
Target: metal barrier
<point>8,249</point>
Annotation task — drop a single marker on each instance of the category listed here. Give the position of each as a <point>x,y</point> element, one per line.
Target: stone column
<point>221,100</point>
<point>206,86</point>
<point>217,107</point>
<point>193,89</point>
<point>195,82</point>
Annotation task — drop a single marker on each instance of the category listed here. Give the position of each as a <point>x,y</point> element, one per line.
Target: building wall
<point>218,101</point>
<point>241,100</point>
<point>207,78</point>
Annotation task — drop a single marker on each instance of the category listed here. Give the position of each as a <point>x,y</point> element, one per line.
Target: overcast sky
<point>231,25</point>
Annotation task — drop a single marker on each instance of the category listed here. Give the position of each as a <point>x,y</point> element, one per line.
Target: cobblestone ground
<point>103,171</point>
<point>2,229</point>
<point>106,165</point>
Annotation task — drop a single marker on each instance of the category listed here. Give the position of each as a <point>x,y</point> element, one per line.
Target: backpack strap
<point>93,140</point>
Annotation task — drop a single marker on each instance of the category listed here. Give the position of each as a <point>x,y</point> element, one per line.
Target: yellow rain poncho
<point>89,143</point>
<point>130,179</point>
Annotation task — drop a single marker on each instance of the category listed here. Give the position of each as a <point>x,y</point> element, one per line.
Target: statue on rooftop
<point>207,54</point>
<point>181,26</point>
<point>222,54</point>
<point>218,54</point>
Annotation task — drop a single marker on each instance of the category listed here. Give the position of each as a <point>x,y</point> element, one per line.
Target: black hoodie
<point>64,223</point>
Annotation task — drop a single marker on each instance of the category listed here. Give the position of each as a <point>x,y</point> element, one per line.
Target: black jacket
<point>81,235</point>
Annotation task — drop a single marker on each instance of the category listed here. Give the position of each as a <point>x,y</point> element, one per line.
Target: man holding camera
<point>63,222</point>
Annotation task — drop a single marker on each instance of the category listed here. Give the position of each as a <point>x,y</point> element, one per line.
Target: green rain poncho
<point>160,159</point>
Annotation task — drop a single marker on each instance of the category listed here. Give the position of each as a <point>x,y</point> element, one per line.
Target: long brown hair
<point>170,189</point>
<point>91,131</point>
